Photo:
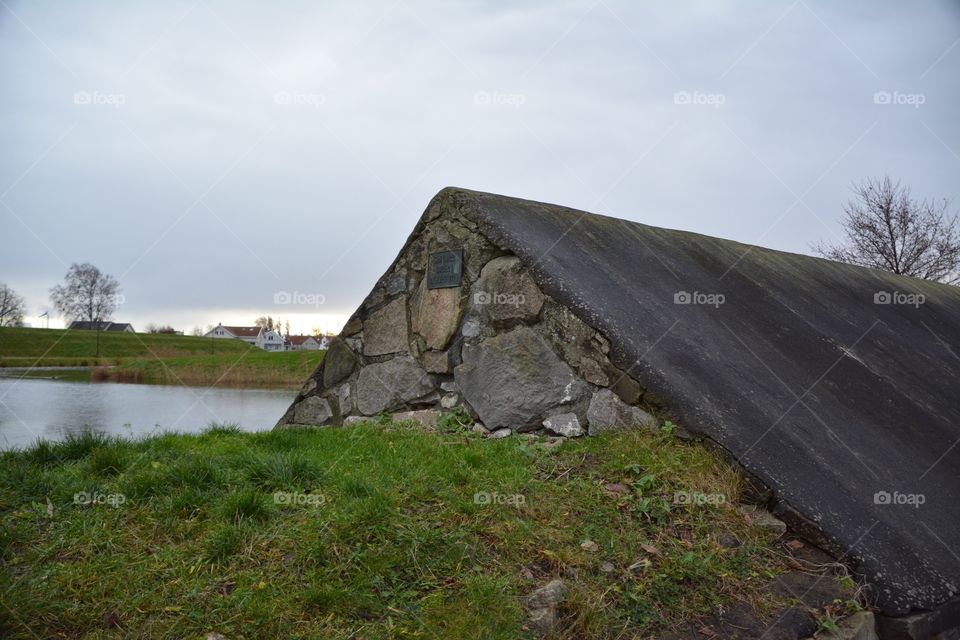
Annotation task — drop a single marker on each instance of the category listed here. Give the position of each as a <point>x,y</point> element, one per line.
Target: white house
<point>304,343</point>
<point>271,341</point>
<point>268,340</point>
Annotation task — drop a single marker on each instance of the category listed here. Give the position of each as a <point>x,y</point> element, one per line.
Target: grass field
<point>59,347</point>
<point>154,358</point>
<point>379,531</point>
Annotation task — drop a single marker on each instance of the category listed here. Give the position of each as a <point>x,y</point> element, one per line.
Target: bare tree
<point>87,294</point>
<point>11,307</point>
<point>265,321</point>
<point>887,229</point>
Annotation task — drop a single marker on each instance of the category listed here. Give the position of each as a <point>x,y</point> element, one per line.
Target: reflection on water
<point>50,409</point>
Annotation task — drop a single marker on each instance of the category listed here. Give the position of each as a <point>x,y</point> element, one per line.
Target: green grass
<point>154,359</point>
<point>59,347</point>
<point>375,533</point>
<point>254,368</point>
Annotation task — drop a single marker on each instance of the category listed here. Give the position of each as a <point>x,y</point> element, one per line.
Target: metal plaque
<point>445,269</point>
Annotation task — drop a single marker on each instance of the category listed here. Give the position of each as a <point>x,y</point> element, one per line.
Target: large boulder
<point>512,379</point>
<point>607,411</point>
<point>385,331</point>
<point>313,410</point>
<point>507,293</point>
<point>391,385</point>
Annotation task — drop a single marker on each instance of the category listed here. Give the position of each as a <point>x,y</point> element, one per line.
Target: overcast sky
<point>211,154</point>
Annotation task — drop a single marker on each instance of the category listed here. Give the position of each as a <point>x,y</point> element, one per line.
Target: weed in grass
<point>324,600</point>
<point>189,502</point>
<point>454,421</point>
<point>284,472</point>
<point>223,543</point>
<point>42,453</point>
<point>246,505</point>
<point>77,446</point>
<point>108,461</point>
<point>194,471</point>
<point>222,429</point>
<point>146,482</point>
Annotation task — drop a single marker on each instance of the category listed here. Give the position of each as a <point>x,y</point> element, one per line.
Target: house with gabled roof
<point>266,339</point>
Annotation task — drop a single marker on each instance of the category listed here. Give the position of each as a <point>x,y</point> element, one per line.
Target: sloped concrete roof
<point>832,400</point>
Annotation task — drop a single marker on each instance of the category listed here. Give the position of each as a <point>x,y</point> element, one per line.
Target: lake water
<point>50,409</point>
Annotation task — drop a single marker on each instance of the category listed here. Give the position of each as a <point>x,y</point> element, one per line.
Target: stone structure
<point>567,323</point>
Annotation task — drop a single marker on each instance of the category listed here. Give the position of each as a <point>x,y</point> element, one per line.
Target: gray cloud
<point>230,151</point>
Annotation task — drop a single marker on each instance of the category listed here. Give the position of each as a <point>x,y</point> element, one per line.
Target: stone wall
<point>496,346</point>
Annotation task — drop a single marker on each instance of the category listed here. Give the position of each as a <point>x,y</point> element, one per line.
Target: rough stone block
<point>565,424</point>
<point>388,385</point>
<point>313,410</point>
<point>607,411</point>
<point>513,378</point>
<point>338,363</point>
<point>385,331</point>
<point>507,293</point>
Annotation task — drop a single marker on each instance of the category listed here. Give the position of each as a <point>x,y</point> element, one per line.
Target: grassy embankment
<point>154,358</point>
<point>383,537</point>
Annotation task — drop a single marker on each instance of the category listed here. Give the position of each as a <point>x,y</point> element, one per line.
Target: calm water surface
<point>50,409</point>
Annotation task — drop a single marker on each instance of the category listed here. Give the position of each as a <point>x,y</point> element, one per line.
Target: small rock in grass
<point>564,424</point>
<point>589,545</point>
<point>501,433</point>
<point>450,400</point>
<point>549,595</point>
<point>728,540</point>
<point>607,567</point>
<point>764,519</point>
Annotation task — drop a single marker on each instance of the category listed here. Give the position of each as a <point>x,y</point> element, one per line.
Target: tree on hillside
<point>88,295</point>
<point>888,229</point>
<point>11,307</point>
